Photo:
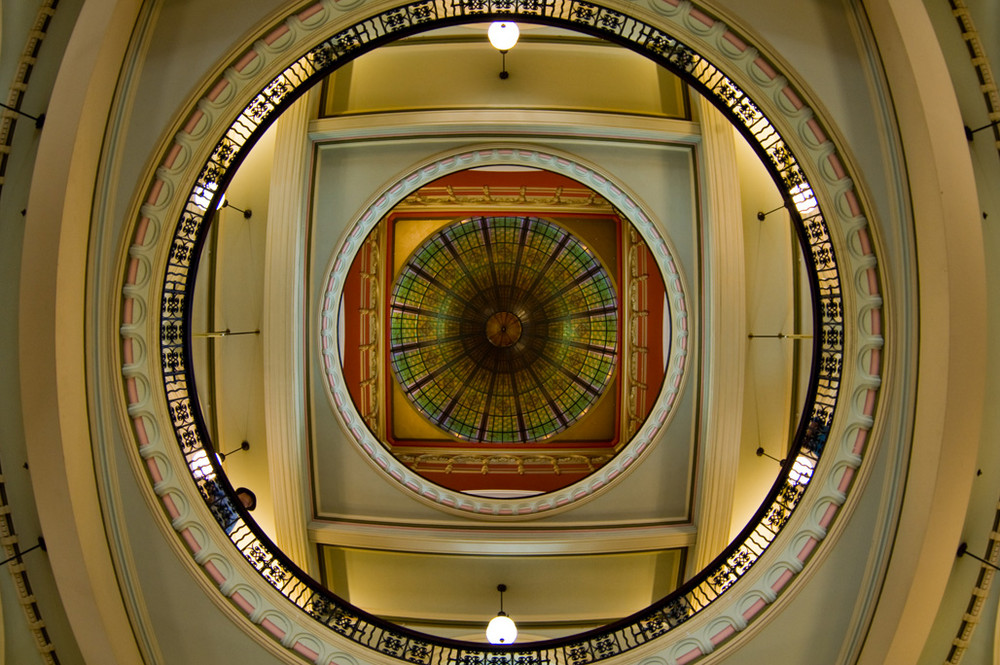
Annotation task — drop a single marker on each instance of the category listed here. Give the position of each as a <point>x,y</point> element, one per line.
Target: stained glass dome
<point>503,329</point>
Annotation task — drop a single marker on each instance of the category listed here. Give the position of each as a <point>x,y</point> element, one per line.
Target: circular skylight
<point>503,329</point>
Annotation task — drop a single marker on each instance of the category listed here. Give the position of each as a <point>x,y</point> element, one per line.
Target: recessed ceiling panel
<point>505,334</point>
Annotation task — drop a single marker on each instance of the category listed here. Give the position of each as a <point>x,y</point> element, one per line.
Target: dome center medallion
<point>503,329</point>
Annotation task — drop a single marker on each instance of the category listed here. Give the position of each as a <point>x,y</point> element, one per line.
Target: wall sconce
<point>763,453</point>
<point>243,448</point>
<point>226,333</point>
<point>501,629</point>
<point>503,35</point>
<point>969,133</point>
<point>761,215</point>
<point>792,336</point>
<point>247,214</point>
<point>40,545</point>
<point>963,550</point>
<point>40,118</point>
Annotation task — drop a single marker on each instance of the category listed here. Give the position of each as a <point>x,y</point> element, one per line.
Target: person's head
<point>246,497</point>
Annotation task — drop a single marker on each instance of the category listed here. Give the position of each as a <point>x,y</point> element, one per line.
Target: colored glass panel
<point>503,329</point>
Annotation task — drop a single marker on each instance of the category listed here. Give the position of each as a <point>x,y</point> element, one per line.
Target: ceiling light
<point>501,629</point>
<point>503,35</point>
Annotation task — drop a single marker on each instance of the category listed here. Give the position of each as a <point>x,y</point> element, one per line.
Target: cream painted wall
<point>559,594</point>
<point>238,395</point>
<point>463,74</point>
<point>769,261</point>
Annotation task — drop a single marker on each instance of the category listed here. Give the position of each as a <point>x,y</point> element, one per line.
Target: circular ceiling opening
<point>823,389</point>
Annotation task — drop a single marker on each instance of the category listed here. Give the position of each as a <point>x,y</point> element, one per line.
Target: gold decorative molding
<point>370,318</point>
<point>634,351</point>
<point>501,462</point>
<point>563,199</point>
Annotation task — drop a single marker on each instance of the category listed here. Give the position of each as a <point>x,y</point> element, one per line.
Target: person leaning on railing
<point>222,508</point>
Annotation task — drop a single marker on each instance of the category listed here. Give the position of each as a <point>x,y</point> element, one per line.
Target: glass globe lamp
<point>501,630</point>
<point>503,35</point>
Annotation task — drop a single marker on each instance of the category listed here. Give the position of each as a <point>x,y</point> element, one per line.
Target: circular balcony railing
<point>187,233</point>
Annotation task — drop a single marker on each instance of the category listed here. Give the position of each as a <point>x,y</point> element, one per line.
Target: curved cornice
<point>951,306</point>
<point>54,371</point>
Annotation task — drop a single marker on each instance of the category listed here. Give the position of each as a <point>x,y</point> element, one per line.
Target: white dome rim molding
<point>694,636</point>
<point>675,376</point>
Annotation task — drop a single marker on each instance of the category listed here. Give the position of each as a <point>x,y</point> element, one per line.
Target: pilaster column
<point>283,332</point>
<point>725,343</point>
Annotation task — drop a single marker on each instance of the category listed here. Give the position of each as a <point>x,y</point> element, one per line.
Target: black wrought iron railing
<point>311,597</point>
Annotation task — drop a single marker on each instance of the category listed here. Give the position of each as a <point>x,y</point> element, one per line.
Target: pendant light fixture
<point>503,35</point>
<point>501,629</point>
